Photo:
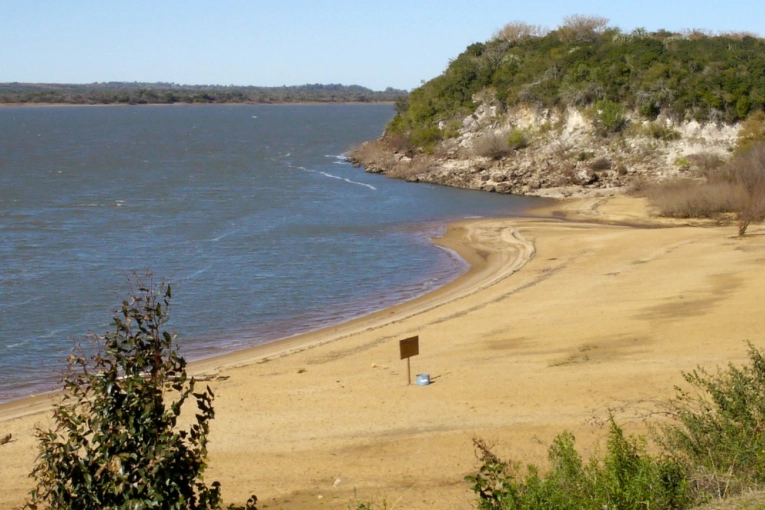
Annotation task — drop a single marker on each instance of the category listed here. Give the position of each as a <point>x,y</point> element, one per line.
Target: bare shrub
<point>580,27</point>
<point>747,171</point>
<point>399,142</point>
<point>695,34</point>
<point>375,156</point>
<point>706,162</point>
<point>738,187</point>
<point>492,145</point>
<point>687,198</point>
<point>409,169</point>
<point>561,148</point>
<point>638,186</point>
<point>518,31</point>
<point>600,164</point>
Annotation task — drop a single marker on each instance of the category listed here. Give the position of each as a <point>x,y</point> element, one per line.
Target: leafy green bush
<point>719,425</point>
<point>116,441</point>
<point>661,132</point>
<point>427,137</point>
<point>609,117</point>
<point>626,478</point>
<point>518,139</point>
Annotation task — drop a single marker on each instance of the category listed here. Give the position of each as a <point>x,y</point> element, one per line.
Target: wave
<point>340,159</point>
<point>331,176</point>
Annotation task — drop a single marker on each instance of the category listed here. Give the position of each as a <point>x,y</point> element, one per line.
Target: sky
<point>376,44</point>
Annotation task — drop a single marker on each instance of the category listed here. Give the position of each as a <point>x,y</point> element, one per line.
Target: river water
<point>250,210</point>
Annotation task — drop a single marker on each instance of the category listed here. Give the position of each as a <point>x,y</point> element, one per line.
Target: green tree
<point>116,442</point>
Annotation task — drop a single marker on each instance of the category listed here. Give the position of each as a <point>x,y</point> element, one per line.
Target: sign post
<point>409,347</point>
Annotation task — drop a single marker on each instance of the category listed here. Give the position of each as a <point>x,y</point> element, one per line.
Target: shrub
<point>116,441</point>
<point>377,156</point>
<point>626,478</point>
<point>687,198</point>
<point>518,30</point>
<point>738,188</point>
<point>706,162</point>
<point>718,426</point>
<point>752,132</point>
<point>426,137</point>
<point>600,164</point>
<point>582,28</point>
<point>492,145</point>
<point>518,139</point>
<point>609,117</point>
<point>747,171</point>
<point>661,132</point>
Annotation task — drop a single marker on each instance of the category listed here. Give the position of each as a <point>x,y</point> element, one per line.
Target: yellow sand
<point>559,320</point>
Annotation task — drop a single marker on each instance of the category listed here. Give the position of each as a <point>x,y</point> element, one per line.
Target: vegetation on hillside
<point>585,63</point>
<point>170,93</point>
<point>712,448</point>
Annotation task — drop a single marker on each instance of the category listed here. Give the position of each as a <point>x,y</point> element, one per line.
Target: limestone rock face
<point>564,155</point>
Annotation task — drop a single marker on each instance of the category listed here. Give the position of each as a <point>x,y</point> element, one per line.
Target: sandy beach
<point>590,306</point>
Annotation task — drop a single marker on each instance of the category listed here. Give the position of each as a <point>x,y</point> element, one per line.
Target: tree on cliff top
<point>116,441</point>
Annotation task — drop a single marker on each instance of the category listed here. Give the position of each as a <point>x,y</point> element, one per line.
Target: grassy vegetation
<point>713,449</point>
<point>586,64</point>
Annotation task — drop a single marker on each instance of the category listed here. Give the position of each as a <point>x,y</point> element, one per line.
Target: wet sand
<point>591,306</point>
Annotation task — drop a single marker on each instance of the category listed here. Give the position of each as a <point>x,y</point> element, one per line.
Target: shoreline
<point>602,314</point>
<point>482,271</point>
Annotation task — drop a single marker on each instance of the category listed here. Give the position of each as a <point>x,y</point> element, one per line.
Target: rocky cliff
<point>553,154</point>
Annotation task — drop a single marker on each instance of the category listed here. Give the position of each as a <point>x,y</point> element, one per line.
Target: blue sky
<point>377,44</point>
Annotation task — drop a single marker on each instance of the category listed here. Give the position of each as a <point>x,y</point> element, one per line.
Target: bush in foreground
<point>626,478</point>
<point>719,427</point>
<point>713,448</point>
<point>116,441</point>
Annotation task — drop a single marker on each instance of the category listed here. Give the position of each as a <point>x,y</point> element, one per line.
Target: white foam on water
<point>331,176</point>
<point>346,180</point>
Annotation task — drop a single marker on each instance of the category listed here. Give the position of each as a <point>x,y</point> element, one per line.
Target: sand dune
<point>586,308</point>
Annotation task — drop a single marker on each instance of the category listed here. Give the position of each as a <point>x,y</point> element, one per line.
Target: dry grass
<point>706,162</point>
<point>688,198</point>
<point>751,501</point>
<point>374,155</point>
<point>492,145</point>
<point>738,187</point>
<point>411,168</point>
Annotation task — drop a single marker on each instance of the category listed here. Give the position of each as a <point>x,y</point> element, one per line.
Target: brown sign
<point>409,347</point>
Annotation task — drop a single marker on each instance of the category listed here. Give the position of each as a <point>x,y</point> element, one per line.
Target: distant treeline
<point>170,93</point>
